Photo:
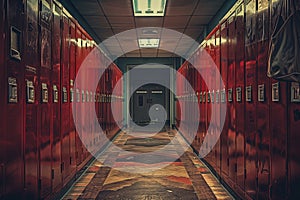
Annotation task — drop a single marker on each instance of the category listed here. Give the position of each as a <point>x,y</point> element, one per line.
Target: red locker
<point>231,100</point>
<point>197,90</point>
<point>72,68</point>
<point>44,96</point>
<point>56,96</point>
<point>2,99</point>
<point>65,103</point>
<point>215,98</point>
<point>278,128</point>
<point>278,134</point>
<point>263,102</point>
<point>217,147</point>
<point>31,102</point>
<point>79,145</point>
<point>240,105</point>
<point>293,141</point>
<point>224,72</point>
<point>209,89</point>
<point>250,100</point>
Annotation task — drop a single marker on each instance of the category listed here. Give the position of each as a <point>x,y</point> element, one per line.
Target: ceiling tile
<point>104,33</point>
<point>200,20</point>
<point>194,32</point>
<point>135,53</point>
<point>97,21</point>
<point>117,7</point>
<point>90,7</point>
<point>176,21</point>
<point>208,7</point>
<point>178,8</point>
<point>118,30</point>
<point>172,33</point>
<point>120,20</point>
<point>148,21</point>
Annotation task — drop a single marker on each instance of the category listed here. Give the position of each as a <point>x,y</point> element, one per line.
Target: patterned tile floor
<point>137,167</point>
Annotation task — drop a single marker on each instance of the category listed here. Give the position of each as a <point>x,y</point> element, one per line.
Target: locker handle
<point>15,54</point>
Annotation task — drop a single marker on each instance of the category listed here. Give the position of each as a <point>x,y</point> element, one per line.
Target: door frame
<point>127,88</point>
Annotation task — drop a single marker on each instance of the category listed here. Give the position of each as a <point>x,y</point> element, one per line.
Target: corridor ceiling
<point>106,18</point>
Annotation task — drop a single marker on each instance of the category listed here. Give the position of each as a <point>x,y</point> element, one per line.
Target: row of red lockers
<point>257,152</point>
<point>42,49</point>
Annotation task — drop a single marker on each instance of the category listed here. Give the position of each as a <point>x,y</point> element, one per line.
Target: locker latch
<point>82,96</point>
<point>78,95</point>
<point>229,95</point>
<point>239,94</point>
<point>30,93</point>
<point>44,93</point>
<point>212,96</point>
<point>249,93</point>
<point>295,92</point>
<point>71,95</point>
<point>12,90</point>
<point>275,92</point>
<point>65,95</point>
<point>55,94</point>
<point>87,96</point>
<point>223,96</point>
<point>261,93</point>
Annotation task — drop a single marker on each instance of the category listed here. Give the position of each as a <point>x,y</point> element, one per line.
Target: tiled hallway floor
<point>137,176</point>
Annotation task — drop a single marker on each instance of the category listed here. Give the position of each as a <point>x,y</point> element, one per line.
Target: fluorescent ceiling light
<point>148,43</point>
<point>149,7</point>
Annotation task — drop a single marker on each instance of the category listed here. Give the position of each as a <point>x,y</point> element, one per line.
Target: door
<point>143,99</point>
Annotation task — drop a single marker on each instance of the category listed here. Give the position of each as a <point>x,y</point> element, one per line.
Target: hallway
<point>158,176</point>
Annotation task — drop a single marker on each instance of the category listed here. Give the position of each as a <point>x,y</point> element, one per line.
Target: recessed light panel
<point>148,43</point>
<point>155,8</point>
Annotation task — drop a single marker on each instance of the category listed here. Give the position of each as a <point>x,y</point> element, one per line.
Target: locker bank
<point>150,99</point>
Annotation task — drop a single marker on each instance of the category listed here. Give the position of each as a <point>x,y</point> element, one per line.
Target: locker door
<point>56,96</point>
<point>2,99</point>
<point>224,72</point>
<point>215,100</point>
<point>240,105</point>
<point>198,90</point>
<point>204,103</point>
<point>31,101</point>
<point>293,141</point>
<point>250,100</point>
<point>209,119</point>
<point>14,101</point>
<point>79,145</point>
<point>263,101</point>
<point>44,119</point>
<point>230,98</point>
<point>72,59</point>
<point>65,105</point>
<point>278,129</point>
<point>218,95</point>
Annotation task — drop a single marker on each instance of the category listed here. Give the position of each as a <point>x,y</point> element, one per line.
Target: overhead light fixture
<point>148,43</point>
<point>150,31</point>
<point>155,8</point>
